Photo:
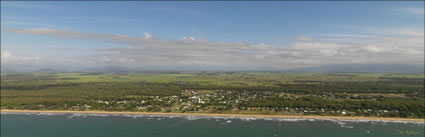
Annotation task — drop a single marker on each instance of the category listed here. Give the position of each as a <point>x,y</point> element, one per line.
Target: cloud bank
<point>8,57</point>
<point>190,52</point>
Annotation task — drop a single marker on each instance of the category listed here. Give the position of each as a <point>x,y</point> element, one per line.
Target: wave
<point>341,122</point>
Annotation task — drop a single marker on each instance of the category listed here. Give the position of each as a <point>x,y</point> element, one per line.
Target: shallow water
<point>101,125</point>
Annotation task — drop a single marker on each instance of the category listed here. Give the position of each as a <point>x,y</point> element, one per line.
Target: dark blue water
<point>73,125</point>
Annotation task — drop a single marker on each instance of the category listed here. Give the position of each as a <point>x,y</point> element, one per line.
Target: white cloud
<point>188,38</point>
<point>408,31</point>
<point>5,55</point>
<point>147,35</point>
<point>407,49</point>
<point>8,57</point>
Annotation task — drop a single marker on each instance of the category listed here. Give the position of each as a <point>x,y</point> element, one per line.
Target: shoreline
<point>416,120</point>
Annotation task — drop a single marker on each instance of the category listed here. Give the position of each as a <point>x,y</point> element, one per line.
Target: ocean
<point>101,125</point>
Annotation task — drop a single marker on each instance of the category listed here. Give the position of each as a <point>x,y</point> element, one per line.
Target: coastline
<point>416,120</point>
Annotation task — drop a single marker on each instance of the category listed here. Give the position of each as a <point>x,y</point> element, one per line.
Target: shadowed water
<point>94,125</point>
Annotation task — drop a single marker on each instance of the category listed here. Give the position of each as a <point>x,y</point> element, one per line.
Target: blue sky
<point>48,29</point>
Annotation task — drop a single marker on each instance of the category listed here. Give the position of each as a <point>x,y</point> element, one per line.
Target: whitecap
<point>217,118</point>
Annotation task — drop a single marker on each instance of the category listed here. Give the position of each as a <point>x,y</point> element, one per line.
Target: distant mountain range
<point>394,68</point>
<point>387,68</point>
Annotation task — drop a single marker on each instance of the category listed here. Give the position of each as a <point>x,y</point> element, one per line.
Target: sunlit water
<point>97,125</point>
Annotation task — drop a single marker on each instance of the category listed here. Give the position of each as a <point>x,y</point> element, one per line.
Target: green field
<point>225,79</point>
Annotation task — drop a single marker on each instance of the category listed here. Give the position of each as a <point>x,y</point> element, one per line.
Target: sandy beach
<point>223,115</point>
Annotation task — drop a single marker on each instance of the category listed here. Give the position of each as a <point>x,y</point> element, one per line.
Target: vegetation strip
<point>257,93</point>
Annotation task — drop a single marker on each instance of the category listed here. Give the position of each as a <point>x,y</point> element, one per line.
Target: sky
<point>211,35</point>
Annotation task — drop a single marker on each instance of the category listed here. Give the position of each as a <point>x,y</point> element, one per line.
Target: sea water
<point>102,125</point>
